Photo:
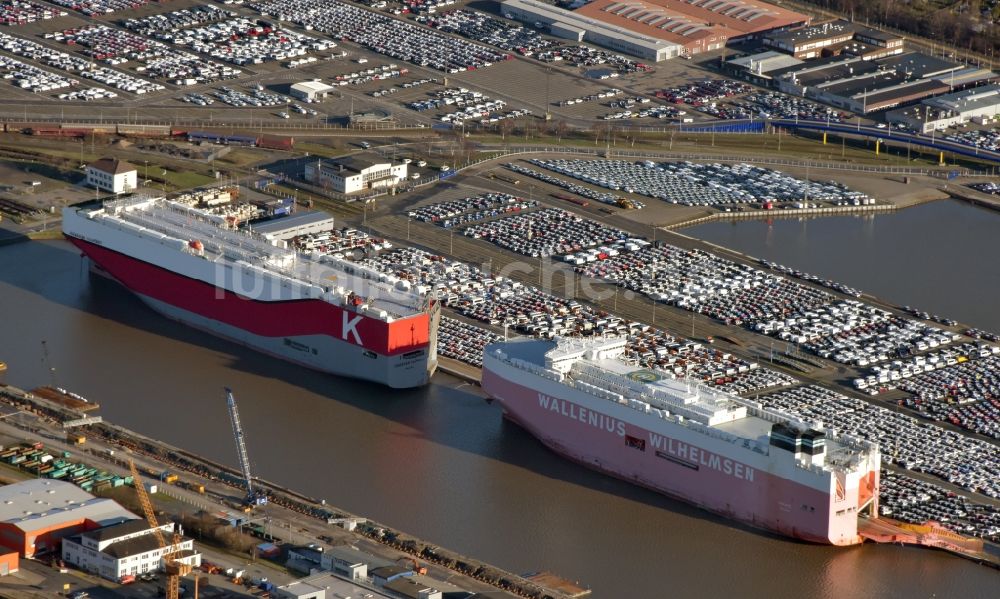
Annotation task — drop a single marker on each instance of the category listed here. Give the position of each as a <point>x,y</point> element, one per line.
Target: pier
<point>930,534</point>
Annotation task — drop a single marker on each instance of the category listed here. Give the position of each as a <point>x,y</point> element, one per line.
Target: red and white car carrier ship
<point>715,450</point>
<point>324,313</point>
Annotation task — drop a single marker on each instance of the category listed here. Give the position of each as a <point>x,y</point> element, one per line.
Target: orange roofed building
<point>35,515</point>
<point>697,25</point>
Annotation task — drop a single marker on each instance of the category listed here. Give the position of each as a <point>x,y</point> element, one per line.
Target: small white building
<point>310,91</point>
<point>129,548</point>
<point>111,174</point>
<point>358,172</point>
<point>347,561</point>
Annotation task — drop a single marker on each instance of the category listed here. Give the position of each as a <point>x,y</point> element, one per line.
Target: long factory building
<point>657,30</point>
<point>577,27</point>
<point>696,25</point>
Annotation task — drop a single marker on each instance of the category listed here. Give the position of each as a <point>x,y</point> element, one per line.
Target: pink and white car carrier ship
<point>715,450</point>
<point>325,313</point>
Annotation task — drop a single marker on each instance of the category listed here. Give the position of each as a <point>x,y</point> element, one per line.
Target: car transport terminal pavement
<point>388,220</point>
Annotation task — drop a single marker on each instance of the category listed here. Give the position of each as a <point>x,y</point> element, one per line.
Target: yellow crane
<point>173,568</point>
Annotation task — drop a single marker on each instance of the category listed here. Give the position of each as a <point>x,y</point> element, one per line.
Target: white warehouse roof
<point>312,87</point>
<point>42,503</point>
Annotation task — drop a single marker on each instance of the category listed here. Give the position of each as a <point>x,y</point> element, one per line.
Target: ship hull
<point>278,329</point>
<point>668,461</point>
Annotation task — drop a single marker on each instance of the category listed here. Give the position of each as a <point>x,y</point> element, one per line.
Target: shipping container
<point>275,142</point>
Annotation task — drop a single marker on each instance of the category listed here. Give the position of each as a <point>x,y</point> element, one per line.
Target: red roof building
<point>697,25</point>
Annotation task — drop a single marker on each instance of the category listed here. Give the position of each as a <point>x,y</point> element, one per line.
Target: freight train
<point>83,130</point>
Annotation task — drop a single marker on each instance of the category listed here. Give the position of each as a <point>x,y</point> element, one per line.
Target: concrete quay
<point>293,517</point>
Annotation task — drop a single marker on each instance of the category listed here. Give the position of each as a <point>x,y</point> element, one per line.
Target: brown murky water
<point>437,462</point>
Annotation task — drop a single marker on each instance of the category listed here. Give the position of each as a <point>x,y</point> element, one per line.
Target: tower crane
<point>254,497</point>
<point>173,568</point>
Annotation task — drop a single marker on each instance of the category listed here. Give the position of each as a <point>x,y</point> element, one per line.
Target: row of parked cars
<point>965,393</point>
<point>340,243</point>
<point>152,25</point>
<point>700,93</point>
<point>31,78</point>
<point>773,105</point>
<point>587,56</point>
<point>545,233</point>
<point>24,12</point>
<point>386,71</point>
<point>245,41</point>
<point>96,8</point>
<point>580,190</point>
<point>76,64</point>
<point>988,139</point>
<point>158,60</point>
<point>383,34</point>
<point>798,274</point>
<point>462,211</point>
<point>88,94</point>
<point>904,440</point>
<point>464,342</point>
<point>856,333</point>
<point>696,184</point>
<point>256,97</point>
<point>601,95</point>
<point>916,501</point>
<point>490,30</point>
<point>502,302</point>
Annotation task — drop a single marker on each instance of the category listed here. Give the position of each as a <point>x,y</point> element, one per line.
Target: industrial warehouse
<point>578,27</point>
<point>35,515</point>
<point>835,37</point>
<point>980,105</point>
<point>657,29</point>
<point>695,26</point>
<point>864,86</point>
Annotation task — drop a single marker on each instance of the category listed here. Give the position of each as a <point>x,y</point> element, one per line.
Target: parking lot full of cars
<point>383,34</point>
<point>76,64</point>
<point>695,184</point>
<point>903,440</point>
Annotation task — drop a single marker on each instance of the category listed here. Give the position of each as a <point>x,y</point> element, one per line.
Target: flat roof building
<point>284,228</point>
<point>310,91</point>
<point>863,86</point>
<point>35,515</point>
<point>350,562</point>
<point>758,67</point>
<point>696,25</point>
<point>577,26</point>
<point>325,585</point>
<point>408,588</point>
<point>356,172</point>
<point>831,37</point>
<point>981,104</point>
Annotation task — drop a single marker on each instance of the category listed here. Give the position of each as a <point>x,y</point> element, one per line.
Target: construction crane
<point>173,568</point>
<point>254,497</point>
